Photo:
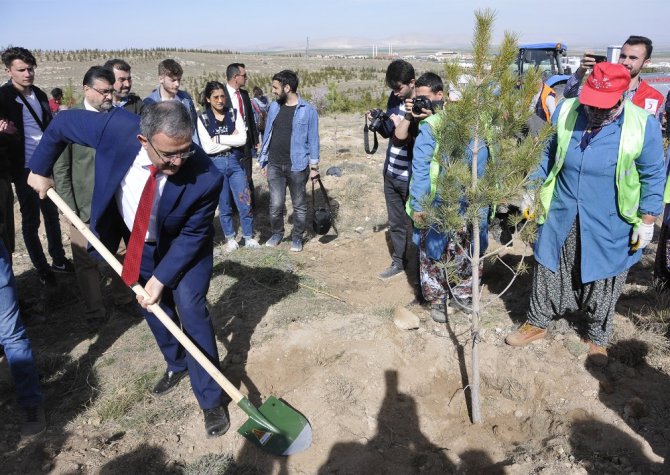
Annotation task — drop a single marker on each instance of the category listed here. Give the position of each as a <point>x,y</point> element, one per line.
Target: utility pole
<point>307,48</point>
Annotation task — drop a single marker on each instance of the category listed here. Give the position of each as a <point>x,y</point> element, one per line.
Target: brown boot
<point>597,355</point>
<point>525,334</point>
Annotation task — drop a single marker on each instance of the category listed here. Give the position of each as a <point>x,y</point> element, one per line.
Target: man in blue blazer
<point>177,261</point>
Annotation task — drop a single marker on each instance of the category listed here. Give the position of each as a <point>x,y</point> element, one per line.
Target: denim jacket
<point>304,136</point>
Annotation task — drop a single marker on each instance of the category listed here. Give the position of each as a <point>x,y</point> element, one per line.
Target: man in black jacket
<point>238,99</point>
<point>27,107</point>
<point>123,83</point>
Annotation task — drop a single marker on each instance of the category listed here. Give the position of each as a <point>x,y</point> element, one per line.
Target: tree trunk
<point>474,383</point>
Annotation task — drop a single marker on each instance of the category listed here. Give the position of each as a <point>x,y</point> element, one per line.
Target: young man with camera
<point>400,79</point>
<point>428,164</point>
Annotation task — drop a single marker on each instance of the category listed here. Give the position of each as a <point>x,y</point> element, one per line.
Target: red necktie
<point>133,259</point>
<point>239,102</point>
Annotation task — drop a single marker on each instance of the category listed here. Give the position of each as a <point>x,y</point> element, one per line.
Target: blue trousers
<point>31,205</point>
<point>13,338</point>
<point>186,306</point>
<point>235,184</point>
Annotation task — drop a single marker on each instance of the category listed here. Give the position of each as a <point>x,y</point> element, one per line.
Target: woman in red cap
<point>603,183</point>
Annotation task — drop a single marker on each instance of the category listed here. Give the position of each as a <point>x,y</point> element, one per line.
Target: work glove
<point>642,236</point>
<point>528,206</point>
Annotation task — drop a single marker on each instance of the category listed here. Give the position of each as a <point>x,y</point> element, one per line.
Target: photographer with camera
<point>635,54</point>
<point>400,79</point>
<point>428,164</point>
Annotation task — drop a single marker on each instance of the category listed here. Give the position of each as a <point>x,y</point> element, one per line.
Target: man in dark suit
<point>176,262</point>
<point>238,98</point>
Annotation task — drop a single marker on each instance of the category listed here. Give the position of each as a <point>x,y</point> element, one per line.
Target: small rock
<point>46,467</point>
<point>359,229</point>
<point>635,408</point>
<point>404,319</point>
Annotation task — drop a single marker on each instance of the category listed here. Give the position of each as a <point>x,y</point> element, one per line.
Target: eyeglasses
<point>103,92</point>
<point>172,157</point>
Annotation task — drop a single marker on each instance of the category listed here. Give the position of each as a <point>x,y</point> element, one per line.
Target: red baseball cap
<point>605,85</point>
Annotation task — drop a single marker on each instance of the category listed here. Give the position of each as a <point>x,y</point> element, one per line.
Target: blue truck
<point>547,58</point>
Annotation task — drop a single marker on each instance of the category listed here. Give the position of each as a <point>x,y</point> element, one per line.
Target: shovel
<point>274,426</point>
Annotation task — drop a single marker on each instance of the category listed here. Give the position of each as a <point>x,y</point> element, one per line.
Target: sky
<point>261,25</point>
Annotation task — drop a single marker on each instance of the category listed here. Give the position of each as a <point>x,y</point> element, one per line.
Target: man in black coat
<point>27,107</point>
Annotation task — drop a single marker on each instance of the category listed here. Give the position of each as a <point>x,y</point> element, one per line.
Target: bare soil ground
<point>316,329</point>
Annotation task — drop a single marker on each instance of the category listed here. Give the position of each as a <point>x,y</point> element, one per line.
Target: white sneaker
<point>251,243</point>
<point>231,245</point>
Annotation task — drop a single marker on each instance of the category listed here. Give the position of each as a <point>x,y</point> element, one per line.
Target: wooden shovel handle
<point>172,327</point>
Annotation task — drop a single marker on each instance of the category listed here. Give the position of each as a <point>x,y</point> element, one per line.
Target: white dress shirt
<point>130,190</point>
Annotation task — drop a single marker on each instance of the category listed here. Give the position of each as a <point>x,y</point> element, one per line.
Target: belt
<point>221,155</point>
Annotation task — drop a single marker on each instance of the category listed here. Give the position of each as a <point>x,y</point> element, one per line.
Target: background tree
<point>492,111</point>
<point>70,98</point>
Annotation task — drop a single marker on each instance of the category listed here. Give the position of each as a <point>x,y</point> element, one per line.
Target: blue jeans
<point>235,183</point>
<point>13,338</point>
<point>31,205</point>
<point>279,176</point>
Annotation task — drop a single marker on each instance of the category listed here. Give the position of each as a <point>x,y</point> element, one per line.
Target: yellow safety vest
<point>630,148</point>
<point>435,164</point>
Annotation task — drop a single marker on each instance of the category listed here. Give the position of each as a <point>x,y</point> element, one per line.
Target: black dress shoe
<point>216,422</point>
<point>168,382</point>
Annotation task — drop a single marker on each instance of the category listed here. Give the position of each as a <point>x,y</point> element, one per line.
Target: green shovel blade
<point>276,427</point>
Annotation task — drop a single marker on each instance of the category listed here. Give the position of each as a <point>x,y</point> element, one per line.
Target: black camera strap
<point>324,194</point>
<point>366,139</point>
<point>39,122</point>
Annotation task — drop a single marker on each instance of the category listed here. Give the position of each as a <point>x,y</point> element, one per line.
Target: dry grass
<point>219,464</point>
<point>116,402</point>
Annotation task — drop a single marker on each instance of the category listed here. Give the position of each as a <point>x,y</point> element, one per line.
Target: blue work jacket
<point>586,186</point>
<point>420,186</point>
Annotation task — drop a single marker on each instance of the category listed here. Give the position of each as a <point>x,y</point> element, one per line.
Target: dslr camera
<point>378,120</point>
<point>420,103</point>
